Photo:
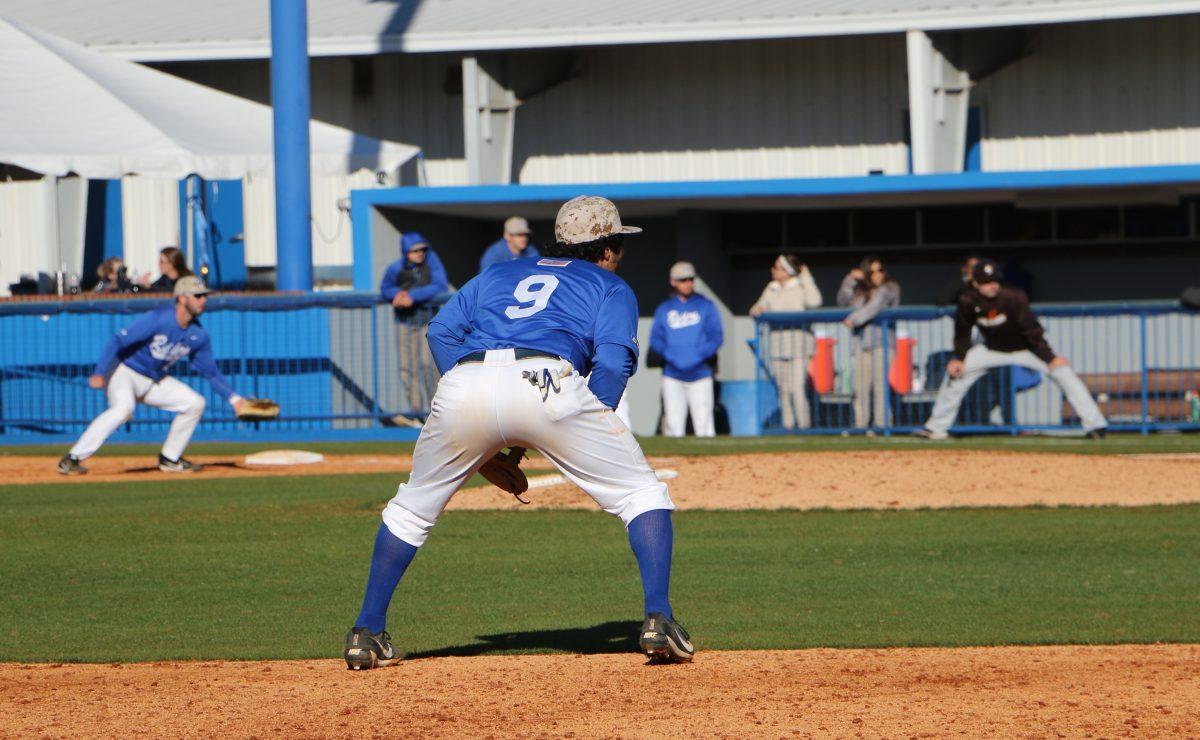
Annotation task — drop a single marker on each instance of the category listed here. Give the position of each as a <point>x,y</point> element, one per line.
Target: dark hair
<point>175,256</point>
<point>793,259</point>
<point>592,251</point>
<point>866,287</point>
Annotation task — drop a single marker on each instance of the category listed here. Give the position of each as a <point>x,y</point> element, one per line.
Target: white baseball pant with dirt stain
<point>980,359</point>
<point>482,407</point>
<point>127,388</point>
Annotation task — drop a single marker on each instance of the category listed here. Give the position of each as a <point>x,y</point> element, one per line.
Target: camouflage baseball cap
<point>191,285</point>
<point>588,218</point>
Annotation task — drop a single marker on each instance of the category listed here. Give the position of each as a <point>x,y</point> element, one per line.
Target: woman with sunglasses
<point>868,289</point>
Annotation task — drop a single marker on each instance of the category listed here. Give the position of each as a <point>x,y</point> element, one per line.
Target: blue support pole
<point>290,101</point>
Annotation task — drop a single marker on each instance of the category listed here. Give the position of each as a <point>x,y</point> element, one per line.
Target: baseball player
<point>687,333</point>
<point>534,353</point>
<point>142,353</point>
<point>1011,336</point>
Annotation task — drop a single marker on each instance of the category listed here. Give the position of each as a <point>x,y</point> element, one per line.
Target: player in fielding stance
<point>534,353</point>
<point>142,353</point>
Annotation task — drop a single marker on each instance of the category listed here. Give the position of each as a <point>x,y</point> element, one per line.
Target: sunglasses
<point>417,249</point>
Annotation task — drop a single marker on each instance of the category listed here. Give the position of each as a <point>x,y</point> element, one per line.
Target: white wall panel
<point>795,108</point>
<point>26,229</point>
<point>150,218</point>
<point>1114,94</point>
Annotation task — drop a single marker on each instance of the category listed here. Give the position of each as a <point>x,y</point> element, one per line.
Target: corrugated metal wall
<point>794,108</point>
<point>1113,94</point>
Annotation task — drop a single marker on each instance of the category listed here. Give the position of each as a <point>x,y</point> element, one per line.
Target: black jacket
<point>1006,323</point>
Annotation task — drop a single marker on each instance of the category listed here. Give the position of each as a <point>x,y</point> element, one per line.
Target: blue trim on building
<point>415,196</point>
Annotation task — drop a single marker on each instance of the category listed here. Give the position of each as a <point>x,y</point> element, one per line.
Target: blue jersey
<point>687,333</point>
<point>565,307</point>
<point>155,342</point>
<point>499,253</point>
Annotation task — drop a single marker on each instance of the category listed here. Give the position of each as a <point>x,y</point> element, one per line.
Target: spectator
<point>410,284</point>
<point>1011,335</point>
<point>513,245</point>
<point>172,265</point>
<point>687,333</point>
<point>868,289</point>
<point>792,288</point>
<point>112,277</point>
<point>948,296</point>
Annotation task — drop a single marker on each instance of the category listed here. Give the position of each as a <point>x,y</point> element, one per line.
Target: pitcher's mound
<point>284,457</point>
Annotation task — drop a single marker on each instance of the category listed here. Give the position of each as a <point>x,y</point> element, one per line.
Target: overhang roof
<point>176,30</point>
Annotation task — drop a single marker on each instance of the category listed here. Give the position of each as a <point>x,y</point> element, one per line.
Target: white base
<point>284,457</point>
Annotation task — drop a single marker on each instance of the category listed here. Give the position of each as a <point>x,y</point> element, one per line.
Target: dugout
<point>1136,227</point>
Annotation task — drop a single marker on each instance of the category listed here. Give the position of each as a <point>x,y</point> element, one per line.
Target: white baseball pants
<point>679,396</point>
<point>480,408</point>
<point>125,389</point>
<point>980,359</point>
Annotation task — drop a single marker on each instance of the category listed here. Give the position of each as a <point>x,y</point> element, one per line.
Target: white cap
<point>516,225</point>
<point>683,271</point>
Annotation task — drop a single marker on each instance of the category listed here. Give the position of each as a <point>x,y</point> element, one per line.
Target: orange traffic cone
<point>820,367</point>
<point>901,373</point>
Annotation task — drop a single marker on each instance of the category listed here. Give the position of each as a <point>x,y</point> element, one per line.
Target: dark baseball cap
<point>986,271</point>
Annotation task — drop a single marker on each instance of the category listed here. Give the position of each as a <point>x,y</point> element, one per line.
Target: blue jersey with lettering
<point>155,342</point>
<point>565,307</point>
<point>687,333</point>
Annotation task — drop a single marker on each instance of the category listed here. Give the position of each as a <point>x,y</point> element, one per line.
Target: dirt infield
<point>837,480</point>
<point>1110,691</point>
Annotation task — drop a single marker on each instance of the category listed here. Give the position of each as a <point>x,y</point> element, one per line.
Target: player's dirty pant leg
<point>175,396</point>
<point>1079,397</point>
<point>124,387</point>
<point>950,395</point>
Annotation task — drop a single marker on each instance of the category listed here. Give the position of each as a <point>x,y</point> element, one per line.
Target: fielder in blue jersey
<point>133,368</point>
<point>535,353</point>
<point>687,333</point>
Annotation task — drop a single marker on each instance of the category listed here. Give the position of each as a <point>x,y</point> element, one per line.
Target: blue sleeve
<point>387,286</point>
<point>612,365</point>
<point>136,333</point>
<point>202,360</point>
<point>489,257</point>
<point>714,333</point>
<point>614,358</point>
<point>448,330</point>
<point>437,280</point>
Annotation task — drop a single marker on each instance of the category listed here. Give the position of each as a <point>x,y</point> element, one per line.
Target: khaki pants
<point>791,381</point>
<point>869,378</point>
<point>418,374</point>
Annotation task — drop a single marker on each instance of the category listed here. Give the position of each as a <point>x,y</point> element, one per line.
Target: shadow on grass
<point>609,637</point>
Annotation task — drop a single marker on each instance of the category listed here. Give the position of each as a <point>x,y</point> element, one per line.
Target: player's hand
<point>954,368</point>
<point>237,406</point>
<point>402,300</point>
<point>756,311</point>
<point>1059,361</point>
<point>849,322</point>
<point>858,274</point>
<point>96,381</point>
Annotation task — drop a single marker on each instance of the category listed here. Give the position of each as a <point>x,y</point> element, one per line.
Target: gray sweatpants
<point>980,359</point>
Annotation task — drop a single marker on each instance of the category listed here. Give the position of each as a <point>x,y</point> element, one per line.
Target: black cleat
<point>182,465</point>
<point>1097,434</point>
<point>70,466</point>
<point>665,641</point>
<point>365,650</point>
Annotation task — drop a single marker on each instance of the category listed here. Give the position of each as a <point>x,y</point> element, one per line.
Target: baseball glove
<point>504,471</point>
<point>257,409</point>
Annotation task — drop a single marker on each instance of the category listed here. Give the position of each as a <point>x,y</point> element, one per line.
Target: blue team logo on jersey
<point>682,319</point>
<point>162,350</point>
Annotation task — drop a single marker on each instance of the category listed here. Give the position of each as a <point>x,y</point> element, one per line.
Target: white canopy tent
<point>67,109</point>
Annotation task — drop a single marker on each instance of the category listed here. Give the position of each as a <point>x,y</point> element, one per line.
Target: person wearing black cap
<point>1011,336</point>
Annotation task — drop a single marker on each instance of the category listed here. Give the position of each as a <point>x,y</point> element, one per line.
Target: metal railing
<point>335,362</point>
<point>1141,362</point>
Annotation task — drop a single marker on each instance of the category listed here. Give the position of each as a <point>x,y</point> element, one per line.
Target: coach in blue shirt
<point>513,245</point>
<point>687,333</point>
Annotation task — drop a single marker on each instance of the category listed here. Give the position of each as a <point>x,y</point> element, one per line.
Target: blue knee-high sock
<point>651,538</point>
<point>388,563</point>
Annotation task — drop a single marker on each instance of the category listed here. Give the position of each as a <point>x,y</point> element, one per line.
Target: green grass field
<point>274,568</point>
<point>1116,444</point>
